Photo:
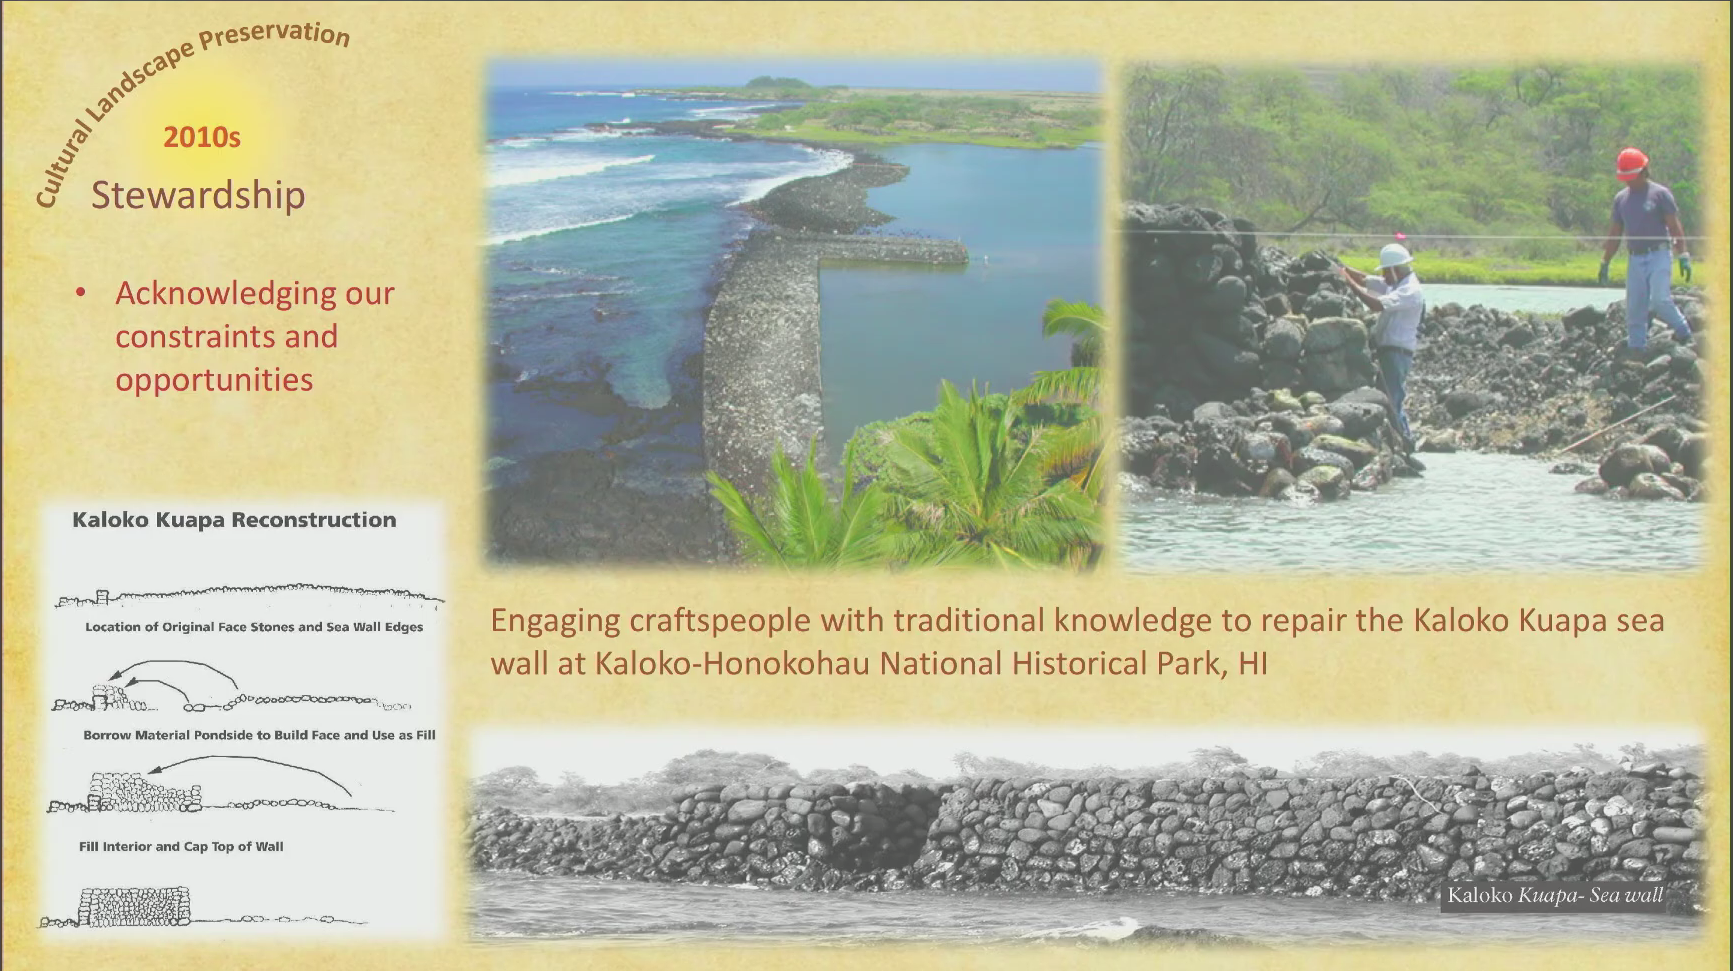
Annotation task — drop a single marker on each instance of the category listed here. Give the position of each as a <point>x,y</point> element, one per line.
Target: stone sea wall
<point>809,836</point>
<point>1388,837</point>
<point>762,381</point>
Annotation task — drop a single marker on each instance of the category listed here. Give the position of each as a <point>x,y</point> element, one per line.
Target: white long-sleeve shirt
<point>1399,322</point>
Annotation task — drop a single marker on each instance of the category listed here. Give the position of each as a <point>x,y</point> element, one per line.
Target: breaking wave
<point>524,175</point>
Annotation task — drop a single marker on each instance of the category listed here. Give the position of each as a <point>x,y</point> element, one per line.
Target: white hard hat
<point>1394,254</point>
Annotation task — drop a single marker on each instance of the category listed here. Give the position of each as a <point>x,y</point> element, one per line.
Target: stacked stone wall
<point>1387,837</point>
<point>134,907</point>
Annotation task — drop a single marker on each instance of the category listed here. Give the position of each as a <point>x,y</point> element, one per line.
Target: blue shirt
<point>1644,215</point>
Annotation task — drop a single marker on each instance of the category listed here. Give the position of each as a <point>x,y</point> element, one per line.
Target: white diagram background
<point>386,869</point>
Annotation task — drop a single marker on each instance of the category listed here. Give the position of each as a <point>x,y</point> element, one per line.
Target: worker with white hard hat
<point>1395,293</point>
<point>1646,218</point>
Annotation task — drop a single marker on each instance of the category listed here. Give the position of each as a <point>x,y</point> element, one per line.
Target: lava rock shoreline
<point>762,380</point>
<point>755,384</point>
<point>763,384</point>
<point>1380,838</point>
<point>1249,372</point>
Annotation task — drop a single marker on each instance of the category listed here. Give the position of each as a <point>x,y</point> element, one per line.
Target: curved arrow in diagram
<point>116,675</point>
<point>254,758</point>
<point>165,684</point>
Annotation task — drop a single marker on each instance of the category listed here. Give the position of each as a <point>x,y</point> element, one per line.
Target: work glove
<point>1685,266</point>
<point>1606,266</point>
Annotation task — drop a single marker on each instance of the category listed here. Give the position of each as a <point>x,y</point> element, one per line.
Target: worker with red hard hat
<point>1647,219</point>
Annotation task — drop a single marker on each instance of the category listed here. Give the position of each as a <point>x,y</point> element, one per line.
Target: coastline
<point>763,385</point>
<point>758,380</point>
<point>762,377</point>
<point>832,139</point>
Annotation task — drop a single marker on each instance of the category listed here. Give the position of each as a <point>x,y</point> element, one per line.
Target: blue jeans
<point>1649,290</point>
<point>1393,365</point>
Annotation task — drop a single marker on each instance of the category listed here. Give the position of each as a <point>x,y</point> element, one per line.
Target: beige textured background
<point>385,136</point>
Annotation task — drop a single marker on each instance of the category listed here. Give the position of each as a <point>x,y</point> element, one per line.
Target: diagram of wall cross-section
<point>233,715</point>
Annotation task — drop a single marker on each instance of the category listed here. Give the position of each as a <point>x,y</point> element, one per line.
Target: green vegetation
<point>1431,153</point>
<point>800,525</point>
<point>838,114</point>
<point>1074,392</point>
<point>761,88</point>
<point>978,484</point>
<point>1010,480</point>
<point>1005,122</point>
<point>519,787</point>
<point>765,82</point>
<point>1578,269</point>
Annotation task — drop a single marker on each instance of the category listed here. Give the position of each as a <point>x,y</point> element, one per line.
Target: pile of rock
<point>1272,444</point>
<point>1667,463</point>
<point>1211,316</point>
<point>1386,837</point>
<point>834,203</point>
<point>1213,321</point>
<point>1530,384</point>
<point>1526,383</point>
<point>1223,337</point>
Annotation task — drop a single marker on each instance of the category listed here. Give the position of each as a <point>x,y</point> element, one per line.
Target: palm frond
<point>744,522</point>
<point>1084,323</point>
<point>1077,385</point>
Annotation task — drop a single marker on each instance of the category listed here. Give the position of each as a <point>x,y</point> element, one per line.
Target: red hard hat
<point>1631,164</point>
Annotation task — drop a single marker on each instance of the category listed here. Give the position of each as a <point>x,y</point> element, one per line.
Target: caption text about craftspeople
<point>1045,641</point>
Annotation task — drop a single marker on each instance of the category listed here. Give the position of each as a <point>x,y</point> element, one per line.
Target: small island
<point>840,115</point>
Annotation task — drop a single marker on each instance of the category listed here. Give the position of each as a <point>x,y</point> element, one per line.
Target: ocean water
<point>602,251</point>
<point>599,250</point>
<point>1031,220</point>
<point>506,907</point>
<point>1469,513</point>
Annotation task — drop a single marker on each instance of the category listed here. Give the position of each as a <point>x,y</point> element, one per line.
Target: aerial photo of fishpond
<point>1375,321</point>
<point>846,320</point>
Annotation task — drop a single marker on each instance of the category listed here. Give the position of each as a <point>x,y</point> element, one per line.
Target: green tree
<point>1086,326</point>
<point>973,488</point>
<point>1076,451</point>
<point>798,524</point>
<point>1525,150</point>
<point>1172,130</point>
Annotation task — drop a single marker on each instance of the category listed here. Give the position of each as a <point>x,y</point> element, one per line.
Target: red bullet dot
<point>81,291</point>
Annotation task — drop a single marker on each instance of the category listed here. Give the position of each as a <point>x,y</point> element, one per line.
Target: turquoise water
<point>600,248</point>
<point>602,252</point>
<point>1031,220</point>
<point>1469,513</point>
<point>517,906</point>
